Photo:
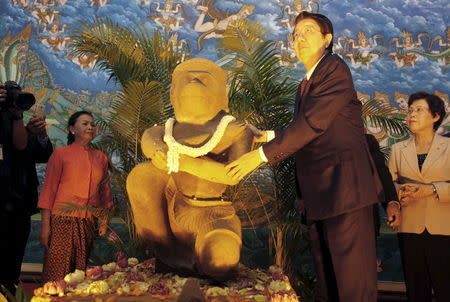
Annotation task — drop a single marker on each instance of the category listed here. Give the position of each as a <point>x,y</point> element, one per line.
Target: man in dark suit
<point>336,176</point>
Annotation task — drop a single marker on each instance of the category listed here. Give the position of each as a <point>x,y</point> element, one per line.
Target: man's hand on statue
<point>160,160</point>
<point>244,165</point>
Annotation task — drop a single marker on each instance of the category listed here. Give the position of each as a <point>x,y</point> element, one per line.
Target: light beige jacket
<point>430,213</point>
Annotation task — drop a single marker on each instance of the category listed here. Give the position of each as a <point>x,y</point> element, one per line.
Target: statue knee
<point>219,253</point>
<point>144,174</point>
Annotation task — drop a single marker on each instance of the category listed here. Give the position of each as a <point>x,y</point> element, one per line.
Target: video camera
<point>15,97</point>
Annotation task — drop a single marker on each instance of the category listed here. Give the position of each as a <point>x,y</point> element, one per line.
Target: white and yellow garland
<point>175,148</point>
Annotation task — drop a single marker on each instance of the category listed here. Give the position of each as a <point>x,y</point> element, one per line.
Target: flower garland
<point>175,148</point>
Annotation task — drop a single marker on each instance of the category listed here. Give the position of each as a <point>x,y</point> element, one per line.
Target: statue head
<point>198,91</point>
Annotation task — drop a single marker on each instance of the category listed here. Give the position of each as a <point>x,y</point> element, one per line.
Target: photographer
<point>21,147</point>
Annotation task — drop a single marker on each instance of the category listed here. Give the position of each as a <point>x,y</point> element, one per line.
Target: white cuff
<point>263,156</point>
<point>270,135</point>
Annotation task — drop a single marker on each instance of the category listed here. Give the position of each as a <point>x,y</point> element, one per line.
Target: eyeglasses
<point>305,31</point>
<point>418,110</point>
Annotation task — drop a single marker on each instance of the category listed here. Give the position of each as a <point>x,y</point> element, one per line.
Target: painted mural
<point>393,47</point>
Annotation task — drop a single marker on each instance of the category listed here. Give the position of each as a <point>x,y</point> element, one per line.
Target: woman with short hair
<point>420,168</point>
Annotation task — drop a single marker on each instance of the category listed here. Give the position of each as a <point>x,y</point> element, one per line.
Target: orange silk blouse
<point>78,175</point>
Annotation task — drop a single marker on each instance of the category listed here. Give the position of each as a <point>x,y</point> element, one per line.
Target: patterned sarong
<point>70,243</point>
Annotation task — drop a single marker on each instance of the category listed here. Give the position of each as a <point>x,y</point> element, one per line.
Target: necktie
<point>303,86</point>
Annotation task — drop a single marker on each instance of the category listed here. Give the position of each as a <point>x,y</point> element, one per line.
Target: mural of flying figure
<point>438,49</point>
<point>297,8</point>
<point>402,57</point>
<point>168,16</point>
<point>98,3</point>
<point>363,52</point>
<point>287,55</point>
<point>219,20</point>
<point>44,11</point>
<point>54,37</point>
<point>23,3</point>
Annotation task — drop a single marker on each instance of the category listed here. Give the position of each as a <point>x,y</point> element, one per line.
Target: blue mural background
<point>393,48</point>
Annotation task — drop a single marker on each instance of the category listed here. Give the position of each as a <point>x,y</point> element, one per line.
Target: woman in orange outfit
<point>78,174</point>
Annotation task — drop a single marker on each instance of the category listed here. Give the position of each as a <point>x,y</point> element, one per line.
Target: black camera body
<point>15,97</point>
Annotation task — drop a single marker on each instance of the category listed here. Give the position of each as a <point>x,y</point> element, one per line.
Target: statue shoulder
<point>237,128</point>
<point>237,131</point>
<point>152,141</point>
<point>155,132</point>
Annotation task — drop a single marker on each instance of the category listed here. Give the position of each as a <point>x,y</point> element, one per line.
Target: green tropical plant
<point>20,296</point>
<point>142,64</point>
<point>378,114</point>
<point>381,115</point>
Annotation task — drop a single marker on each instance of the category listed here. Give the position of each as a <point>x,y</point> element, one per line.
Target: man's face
<point>309,42</point>
<point>197,95</point>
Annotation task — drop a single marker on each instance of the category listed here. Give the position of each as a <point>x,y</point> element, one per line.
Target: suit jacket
<point>334,170</point>
<point>430,213</point>
<point>390,192</point>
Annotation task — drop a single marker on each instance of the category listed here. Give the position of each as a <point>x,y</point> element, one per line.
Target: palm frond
<point>241,36</point>
<point>116,49</point>
<point>381,115</point>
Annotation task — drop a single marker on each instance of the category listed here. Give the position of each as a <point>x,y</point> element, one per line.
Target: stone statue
<point>177,198</point>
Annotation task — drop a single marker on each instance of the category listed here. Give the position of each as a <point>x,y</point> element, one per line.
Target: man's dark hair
<point>435,103</point>
<point>326,27</point>
<point>72,120</point>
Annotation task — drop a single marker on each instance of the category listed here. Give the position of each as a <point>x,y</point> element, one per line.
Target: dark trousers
<point>426,266</point>
<point>345,257</point>
<point>14,231</point>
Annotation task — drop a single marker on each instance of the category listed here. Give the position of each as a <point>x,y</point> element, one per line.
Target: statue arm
<point>206,168</point>
<point>214,171</point>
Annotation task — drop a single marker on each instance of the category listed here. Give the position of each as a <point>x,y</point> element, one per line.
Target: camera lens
<point>25,100</point>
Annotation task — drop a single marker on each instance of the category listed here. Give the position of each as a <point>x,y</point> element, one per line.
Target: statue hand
<point>260,136</point>
<point>244,165</point>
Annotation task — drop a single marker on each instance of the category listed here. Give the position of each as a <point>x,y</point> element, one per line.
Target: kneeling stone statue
<point>177,197</point>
